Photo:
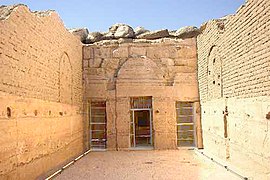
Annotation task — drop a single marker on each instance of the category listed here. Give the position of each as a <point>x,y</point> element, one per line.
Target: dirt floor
<point>144,165</point>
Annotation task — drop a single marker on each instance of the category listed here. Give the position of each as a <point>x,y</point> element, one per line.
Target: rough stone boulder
<point>154,34</point>
<point>140,30</point>
<point>187,32</point>
<point>124,31</point>
<point>6,10</point>
<point>120,31</point>
<point>82,33</point>
<point>173,33</point>
<point>94,37</point>
<point>125,40</point>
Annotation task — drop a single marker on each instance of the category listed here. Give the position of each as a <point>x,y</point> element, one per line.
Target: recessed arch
<point>138,69</point>
<point>214,76</point>
<point>65,79</point>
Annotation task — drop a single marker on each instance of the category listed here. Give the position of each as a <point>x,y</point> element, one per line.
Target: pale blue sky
<point>99,15</point>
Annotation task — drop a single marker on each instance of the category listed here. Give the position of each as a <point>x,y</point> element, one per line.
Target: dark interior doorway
<point>141,121</point>
<point>142,128</point>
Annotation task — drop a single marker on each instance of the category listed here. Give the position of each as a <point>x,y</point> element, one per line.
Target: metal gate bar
<point>185,124</point>
<point>98,124</point>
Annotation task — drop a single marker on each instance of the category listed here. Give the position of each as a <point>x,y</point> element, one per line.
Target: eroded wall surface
<point>40,93</point>
<point>165,69</point>
<point>234,86</point>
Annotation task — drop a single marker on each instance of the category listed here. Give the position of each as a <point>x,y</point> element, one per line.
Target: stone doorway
<point>141,122</point>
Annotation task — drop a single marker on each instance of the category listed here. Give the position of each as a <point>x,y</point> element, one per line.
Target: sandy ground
<point>144,165</point>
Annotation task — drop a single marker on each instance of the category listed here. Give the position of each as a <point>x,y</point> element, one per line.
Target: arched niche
<point>140,70</point>
<point>65,79</point>
<point>214,79</point>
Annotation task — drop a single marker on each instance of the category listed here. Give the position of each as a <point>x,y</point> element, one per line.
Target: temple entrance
<point>141,122</point>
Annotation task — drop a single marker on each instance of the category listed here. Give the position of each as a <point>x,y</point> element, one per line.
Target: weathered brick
<point>41,70</point>
<point>243,50</point>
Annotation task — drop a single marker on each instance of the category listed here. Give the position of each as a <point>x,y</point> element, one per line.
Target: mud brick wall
<point>165,69</point>
<point>40,93</point>
<point>240,44</point>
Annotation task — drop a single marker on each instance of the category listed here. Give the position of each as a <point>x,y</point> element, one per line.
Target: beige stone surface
<point>153,68</point>
<point>31,48</point>
<point>40,141</point>
<point>48,79</point>
<point>247,144</point>
<point>41,84</point>
<point>170,164</point>
<point>233,72</point>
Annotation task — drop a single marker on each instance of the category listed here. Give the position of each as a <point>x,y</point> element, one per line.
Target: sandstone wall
<point>40,93</point>
<point>165,69</point>
<point>234,66</point>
